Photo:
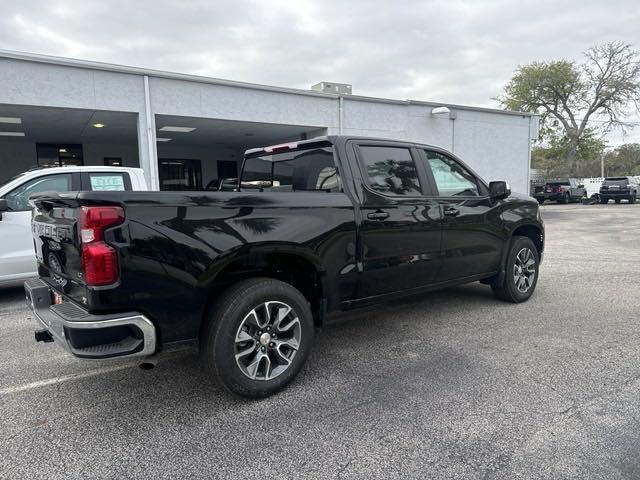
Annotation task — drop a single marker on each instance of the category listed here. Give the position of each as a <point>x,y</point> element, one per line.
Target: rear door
<point>472,240</point>
<point>17,257</point>
<point>400,225</point>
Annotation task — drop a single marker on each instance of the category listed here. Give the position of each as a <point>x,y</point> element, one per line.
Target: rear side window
<point>390,170</point>
<point>312,169</point>
<point>452,179</point>
<point>18,198</point>
<point>103,182</point>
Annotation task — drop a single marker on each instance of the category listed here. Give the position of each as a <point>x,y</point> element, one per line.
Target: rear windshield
<point>562,182</point>
<point>306,169</point>
<point>616,181</point>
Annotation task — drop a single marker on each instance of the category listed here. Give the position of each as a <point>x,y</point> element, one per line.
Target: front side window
<point>390,170</point>
<point>451,178</point>
<point>311,169</point>
<point>18,198</point>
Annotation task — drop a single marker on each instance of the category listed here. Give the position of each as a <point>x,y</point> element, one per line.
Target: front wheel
<point>521,272</point>
<point>566,198</point>
<point>257,337</point>
<point>632,199</point>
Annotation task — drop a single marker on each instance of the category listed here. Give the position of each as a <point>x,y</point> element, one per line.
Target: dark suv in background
<point>562,190</point>
<point>619,188</point>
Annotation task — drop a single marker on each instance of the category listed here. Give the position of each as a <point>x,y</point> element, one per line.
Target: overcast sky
<point>448,51</point>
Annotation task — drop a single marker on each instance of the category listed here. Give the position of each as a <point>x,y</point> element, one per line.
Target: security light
<point>160,139</point>
<point>98,125</point>
<point>177,129</point>
<point>11,134</point>
<point>440,111</point>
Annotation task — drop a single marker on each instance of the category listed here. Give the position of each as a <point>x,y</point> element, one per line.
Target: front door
<point>400,227</point>
<point>472,240</point>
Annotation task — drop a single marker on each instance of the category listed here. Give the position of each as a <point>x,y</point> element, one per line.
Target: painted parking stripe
<point>90,373</point>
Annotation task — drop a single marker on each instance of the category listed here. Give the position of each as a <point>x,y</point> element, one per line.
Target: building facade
<point>186,131</point>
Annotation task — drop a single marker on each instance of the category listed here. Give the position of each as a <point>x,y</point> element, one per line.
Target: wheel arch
<point>291,263</point>
<point>533,232</point>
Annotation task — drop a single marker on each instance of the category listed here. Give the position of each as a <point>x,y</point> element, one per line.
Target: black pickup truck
<point>314,227</point>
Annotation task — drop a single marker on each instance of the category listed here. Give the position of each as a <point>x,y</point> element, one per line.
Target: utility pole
<point>602,164</point>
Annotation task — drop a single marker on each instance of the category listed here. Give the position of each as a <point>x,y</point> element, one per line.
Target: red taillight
<point>99,260</point>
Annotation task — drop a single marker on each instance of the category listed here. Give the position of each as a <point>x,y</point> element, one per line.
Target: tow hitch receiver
<point>43,336</point>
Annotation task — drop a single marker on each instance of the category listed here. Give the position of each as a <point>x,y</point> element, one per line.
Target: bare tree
<point>575,101</point>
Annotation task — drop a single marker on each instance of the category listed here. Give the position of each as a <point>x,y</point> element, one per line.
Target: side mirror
<point>499,190</point>
<point>3,206</point>
<point>581,186</point>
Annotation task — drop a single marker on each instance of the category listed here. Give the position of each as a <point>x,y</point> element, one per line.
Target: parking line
<point>87,374</point>
<point>64,378</point>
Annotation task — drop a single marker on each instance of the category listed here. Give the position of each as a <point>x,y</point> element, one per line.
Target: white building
<point>186,130</point>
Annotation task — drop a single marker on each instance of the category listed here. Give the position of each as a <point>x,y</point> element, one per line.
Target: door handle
<point>451,211</point>
<point>378,215</point>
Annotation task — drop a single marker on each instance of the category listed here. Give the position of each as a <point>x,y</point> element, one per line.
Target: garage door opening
<point>32,137</point>
<point>199,153</point>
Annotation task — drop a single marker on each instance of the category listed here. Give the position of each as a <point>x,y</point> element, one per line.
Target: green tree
<point>579,102</point>
<point>624,160</point>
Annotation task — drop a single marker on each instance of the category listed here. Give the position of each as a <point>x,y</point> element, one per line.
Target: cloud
<point>456,51</point>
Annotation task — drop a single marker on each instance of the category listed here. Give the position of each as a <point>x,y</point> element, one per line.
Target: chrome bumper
<point>85,335</point>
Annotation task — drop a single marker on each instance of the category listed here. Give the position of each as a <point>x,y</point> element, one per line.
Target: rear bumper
<point>85,335</point>
<point>549,196</point>
<point>614,194</point>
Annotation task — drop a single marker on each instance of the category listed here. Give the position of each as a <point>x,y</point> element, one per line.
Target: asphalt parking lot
<point>451,385</point>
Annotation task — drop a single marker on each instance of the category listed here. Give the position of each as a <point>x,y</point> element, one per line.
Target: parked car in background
<point>328,224</point>
<point>618,189</point>
<point>563,190</point>
<point>17,257</point>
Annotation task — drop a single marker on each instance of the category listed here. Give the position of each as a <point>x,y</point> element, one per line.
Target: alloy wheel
<point>267,340</point>
<point>524,270</point>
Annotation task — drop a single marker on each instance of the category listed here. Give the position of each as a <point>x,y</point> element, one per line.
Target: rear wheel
<point>257,337</point>
<point>617,200</point>
<point>521,272</point>
<point>604,200</point>
<point>565,198</point>
<point>632,198</point>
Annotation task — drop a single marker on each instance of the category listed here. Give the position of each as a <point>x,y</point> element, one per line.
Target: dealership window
<point>59,155</point>
<point>297,170</point>
<point>390,170</point>
<point>180,174</point>
<point>452,179</point>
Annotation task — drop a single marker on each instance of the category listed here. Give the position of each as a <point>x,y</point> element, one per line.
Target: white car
<point>17,255</point>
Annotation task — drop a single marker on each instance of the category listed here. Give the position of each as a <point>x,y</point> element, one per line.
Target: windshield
<point>6,182</point>
<point>311,168</point>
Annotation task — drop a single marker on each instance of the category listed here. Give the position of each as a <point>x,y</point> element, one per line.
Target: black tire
<point>604,200</point>
<point>617,200</point>
<point>566,198</point>
<point>541,201</point>
<point>507,290</point>
<point>632,198</point>
<point>221,330</point>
